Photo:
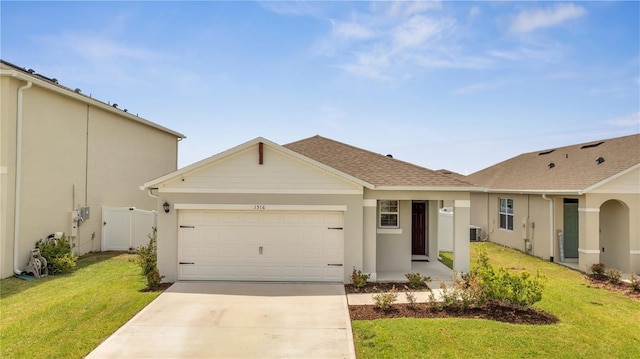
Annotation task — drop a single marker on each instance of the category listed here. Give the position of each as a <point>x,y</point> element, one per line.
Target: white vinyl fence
<point>126,227</point>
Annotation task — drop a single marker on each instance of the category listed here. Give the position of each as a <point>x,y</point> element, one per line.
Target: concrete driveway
<point>237,320</point>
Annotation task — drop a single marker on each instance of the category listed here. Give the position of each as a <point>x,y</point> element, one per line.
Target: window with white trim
<point>506,213</point>
<point>389,213</point>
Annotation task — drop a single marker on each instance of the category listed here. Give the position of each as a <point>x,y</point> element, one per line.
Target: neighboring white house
<point>64,155</point>
<point>311,210</point>
<point>577,204</point>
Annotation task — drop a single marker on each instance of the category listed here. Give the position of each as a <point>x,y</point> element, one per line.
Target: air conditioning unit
<point>475,233</point>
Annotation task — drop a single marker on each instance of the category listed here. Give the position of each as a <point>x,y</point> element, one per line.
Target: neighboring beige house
<point>63,153</point>
<point>311,210</point>
<point>578,204</point>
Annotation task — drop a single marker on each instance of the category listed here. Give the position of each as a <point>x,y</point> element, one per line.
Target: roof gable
<point>382,171</point>
<point>238,170</point>
<point>576,168</point>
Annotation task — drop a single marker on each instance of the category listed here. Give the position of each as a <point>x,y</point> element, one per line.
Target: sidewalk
<point>367,298</point>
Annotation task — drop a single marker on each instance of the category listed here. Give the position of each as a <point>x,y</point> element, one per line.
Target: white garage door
<point>261,246</point>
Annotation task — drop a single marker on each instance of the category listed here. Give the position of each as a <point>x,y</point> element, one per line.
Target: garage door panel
<point>248,245</point>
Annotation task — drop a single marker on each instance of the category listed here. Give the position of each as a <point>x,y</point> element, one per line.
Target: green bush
<point>613,275</point>
<point>635,283</point>
<point>58,254</point>
<point>503,286</point>
<point>148,259</point>
<point>598,270</point>
<point>358,279</point>
<point>385,300</point>
<point>416,280</point>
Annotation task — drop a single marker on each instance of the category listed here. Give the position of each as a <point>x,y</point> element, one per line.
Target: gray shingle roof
<point>571,168</point>
<point>370,167</point>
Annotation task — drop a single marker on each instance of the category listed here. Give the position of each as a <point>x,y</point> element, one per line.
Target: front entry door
<point>570,228</point>
<point>419,229</point>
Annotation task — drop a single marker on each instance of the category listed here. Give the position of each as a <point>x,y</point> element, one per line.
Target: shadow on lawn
<point>14,285</point>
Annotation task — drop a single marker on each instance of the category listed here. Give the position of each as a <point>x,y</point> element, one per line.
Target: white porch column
<point>588,238</point>
<point>369,214</point>
<point>461,247</point>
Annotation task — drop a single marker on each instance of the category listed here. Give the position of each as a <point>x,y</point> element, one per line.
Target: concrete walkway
<point>237,320</point>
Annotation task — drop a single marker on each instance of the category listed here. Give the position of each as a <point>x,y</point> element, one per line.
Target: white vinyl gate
<point>126,227</point>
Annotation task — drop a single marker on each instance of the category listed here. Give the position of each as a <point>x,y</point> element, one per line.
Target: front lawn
<point>594,323</point>
<point>67,316</point>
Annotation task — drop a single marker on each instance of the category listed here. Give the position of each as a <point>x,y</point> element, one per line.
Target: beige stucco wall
<point>73,154</point>
<point>168,222</point>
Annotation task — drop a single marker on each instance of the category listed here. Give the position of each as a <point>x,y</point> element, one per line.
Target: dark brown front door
<point>419,229</point>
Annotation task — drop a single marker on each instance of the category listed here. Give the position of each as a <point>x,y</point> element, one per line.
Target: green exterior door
<point>570,228</point>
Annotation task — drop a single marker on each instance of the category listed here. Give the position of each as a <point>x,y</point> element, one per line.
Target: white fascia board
<point>569,192</point>
<point>259,191</point>
<point>607,180</point>
<point>428,188</point>
<point>86,99</point>
<point>195,166</point>
<point>259,207</point>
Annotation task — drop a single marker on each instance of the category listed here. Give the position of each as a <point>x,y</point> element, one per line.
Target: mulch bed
<point>159,288</point>
<point>493,311</point>
<point>622,287</point>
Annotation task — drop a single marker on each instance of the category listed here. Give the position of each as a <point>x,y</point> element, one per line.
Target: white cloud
<point>531,20</point>
<point>631,120</point>
<point>473,12</point>
<point>409,8</point>
<point>351,30</point>
<point>473,88</point>
<point>419,29</point>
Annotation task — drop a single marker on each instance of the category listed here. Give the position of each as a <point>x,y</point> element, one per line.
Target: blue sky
<point>453,84</point>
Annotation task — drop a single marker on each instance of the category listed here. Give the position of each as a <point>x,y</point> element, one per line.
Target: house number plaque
<point>259,207</point>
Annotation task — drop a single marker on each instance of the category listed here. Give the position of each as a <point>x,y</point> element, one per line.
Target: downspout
<point>17,208</point>
<point>551,226</point>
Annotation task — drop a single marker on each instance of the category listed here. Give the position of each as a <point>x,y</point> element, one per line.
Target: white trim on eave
<point>615,176</point>
<point>259,191</point>
<point>569,192</point>
<point>86,99</point>
<point>207,161</point>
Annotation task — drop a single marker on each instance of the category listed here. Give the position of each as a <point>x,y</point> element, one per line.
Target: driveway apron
<point>237,320</point>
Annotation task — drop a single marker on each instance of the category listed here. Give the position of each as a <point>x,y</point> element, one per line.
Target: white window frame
<point>388,212</point>
<point>507,213</point>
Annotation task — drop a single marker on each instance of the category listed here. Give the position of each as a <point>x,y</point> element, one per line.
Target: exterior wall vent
<point>592,145</point>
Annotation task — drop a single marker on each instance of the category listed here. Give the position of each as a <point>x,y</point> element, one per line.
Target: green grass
<point>67,316</point>
<point>446,258</point>
<point>594,323</point>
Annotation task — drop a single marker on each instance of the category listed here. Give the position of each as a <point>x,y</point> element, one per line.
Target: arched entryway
<point>614,235</point>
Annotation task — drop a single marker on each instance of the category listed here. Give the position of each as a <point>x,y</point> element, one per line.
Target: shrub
<point>503,286</point>
<point>359,279</point>
<point>58,254</point>
<point>411,296</point>
<point>417,281</point>
<point>613,275</point>
<point>384,300</point>
<point>148,255</point>
<point>598,270</point>
<point>148,259</point>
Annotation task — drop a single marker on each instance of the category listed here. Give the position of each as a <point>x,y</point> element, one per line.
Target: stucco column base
<point>586,260</point>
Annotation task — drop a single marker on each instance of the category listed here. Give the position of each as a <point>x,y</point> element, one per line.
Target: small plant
<point>613,276</point>
<point>598,270</point>
<point>58,254</point>
<point>411,296</point>
<point>385,300</point>
<point>148,260</point>
<point>635,283</point>
<point>416,280</point>
<point>358,279</point>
